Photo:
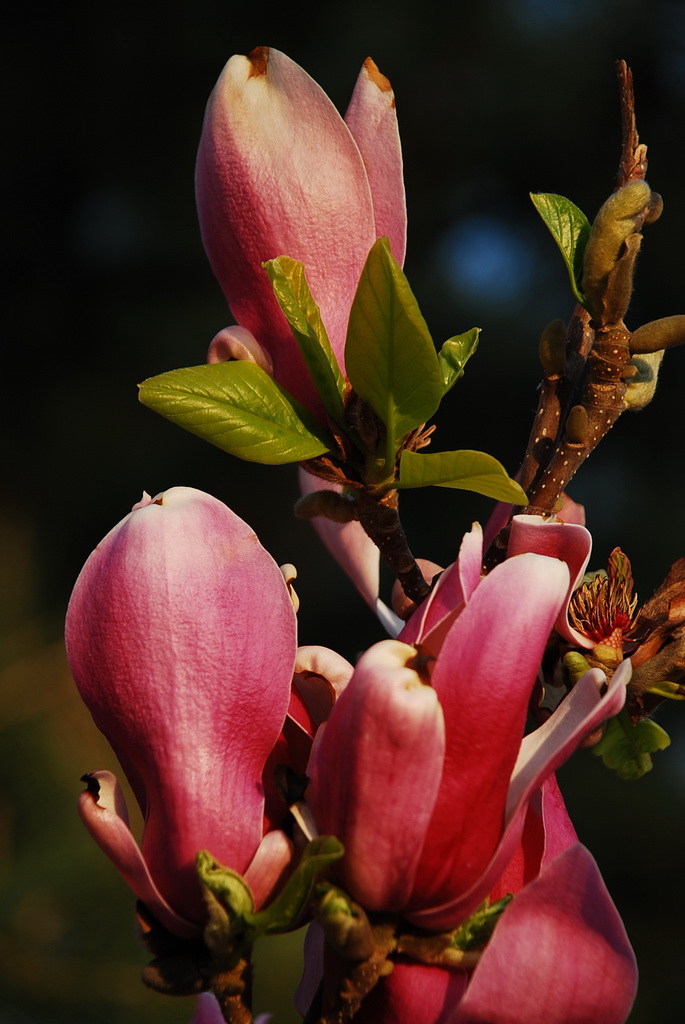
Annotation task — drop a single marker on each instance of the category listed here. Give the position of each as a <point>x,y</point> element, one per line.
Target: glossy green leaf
<point>626,747</point>
<point>455,354</point>
<point>291,289</point>
<point>239,408</point>
<point>467,470</point>
<point>570,229</point>
<point>390,357</point>
<point>289,906</point>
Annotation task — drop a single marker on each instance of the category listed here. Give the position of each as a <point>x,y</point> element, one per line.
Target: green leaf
<point>626,746</point>
<point>227,895</point>
<point>288,908</point>
<point>291,289</point>
<point>454,355</point>
<point>239,408</point>
<point>467,470</point>
<point>478,928</point>
<point>390,357</point>
<point>668,690</point>
<point>570,229</point>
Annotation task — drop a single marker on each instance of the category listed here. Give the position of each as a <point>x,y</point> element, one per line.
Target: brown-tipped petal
<point>279,174</point>
<point>103,811</point>
<point>372,119</point>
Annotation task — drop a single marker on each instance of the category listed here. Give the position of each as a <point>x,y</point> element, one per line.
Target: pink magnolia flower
<point>434,830</point>
<point>167,642</point>
<point>279,172</point>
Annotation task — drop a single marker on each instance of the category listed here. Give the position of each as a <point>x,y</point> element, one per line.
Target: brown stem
<point>381,521</point>
<point>233,991</point>
<point>603,401</point>
<point>556,396</point>
<point>360,978</point>
<point>633,163</point>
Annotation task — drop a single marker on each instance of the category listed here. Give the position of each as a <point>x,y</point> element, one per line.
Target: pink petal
<point>414,994</point>
<point>312,973</point>
<point>238,343</point>
<point>484,675</point>
<point>372,119</point>
<point>269,867</point>
<point>431,622</point>
<point>321,675</point>
<point>207,1010</point>
<point>278,173</point>
<point>541,753</point>
<point>103,811</point>
<point>375,771</point>
<point>354,551</point>
<point>567,541</point>
<point>166,643</point>
<point>571,511</point>
<point>559,954</point>
<point>547,832</point>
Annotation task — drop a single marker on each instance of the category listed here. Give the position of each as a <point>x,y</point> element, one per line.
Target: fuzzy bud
<point>620,217</point>
<point>641,387</point>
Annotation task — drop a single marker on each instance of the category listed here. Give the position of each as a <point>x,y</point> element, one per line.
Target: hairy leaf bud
<point>659,334</point>
<point>577,430</point>
<point>641,387</point>
<point>618,218</point>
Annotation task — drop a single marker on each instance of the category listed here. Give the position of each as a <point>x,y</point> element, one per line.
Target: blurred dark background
<point>107,283</point>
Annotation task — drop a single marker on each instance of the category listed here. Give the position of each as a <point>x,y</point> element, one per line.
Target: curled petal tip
<point>238,343</point>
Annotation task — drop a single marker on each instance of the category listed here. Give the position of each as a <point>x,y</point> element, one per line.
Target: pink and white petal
<point>541,753</point>
<point>484,676</point>
<point>545,749</point>
<point>559,954</point>
<point>278,173</point>
<point>351,547</point>
<point>361,791</point>
<point>372,119</point>
<point>571,543</point>
<point>456,585</point>
<point>320,677</point>
<point>103,811</point>
<point>238,343</point>
<point>269,867</point>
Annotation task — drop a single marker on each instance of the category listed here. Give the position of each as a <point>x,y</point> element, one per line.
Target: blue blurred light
<point>487,258</point>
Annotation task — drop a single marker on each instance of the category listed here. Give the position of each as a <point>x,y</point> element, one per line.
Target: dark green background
<point>107,283</point>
